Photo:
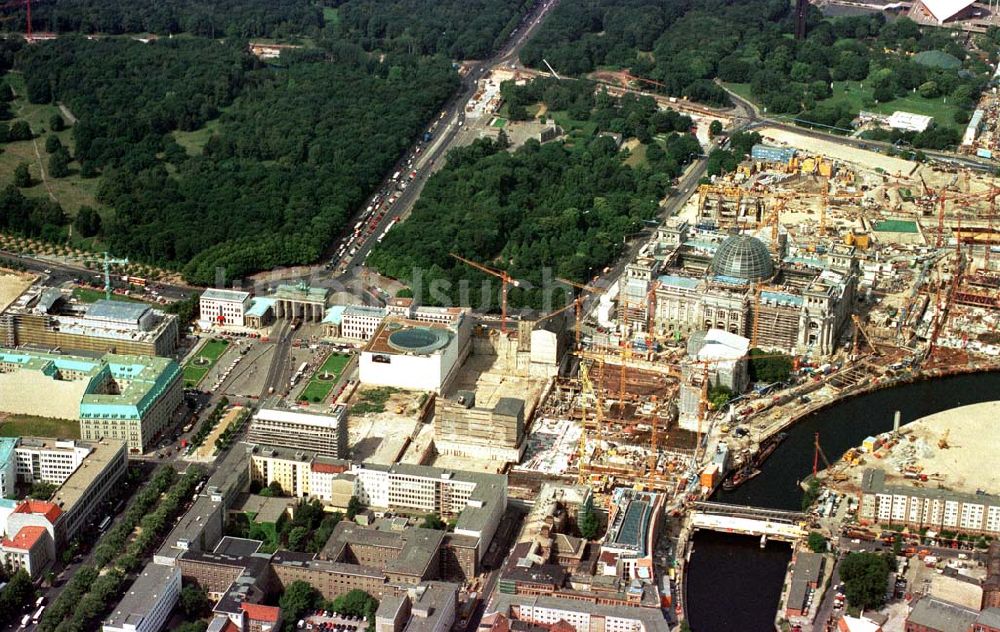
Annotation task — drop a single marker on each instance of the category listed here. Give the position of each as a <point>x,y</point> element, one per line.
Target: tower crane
<point>859,328</point>
<point>579,301</point>
<point>817,454</point>
<point>505,280</point>
<point>106,263</point>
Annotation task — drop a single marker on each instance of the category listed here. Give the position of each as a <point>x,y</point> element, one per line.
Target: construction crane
<point>578,303</point>
<point>106,263</point>
<point>505,280</point>
<point>859,328</point>
<point>817,454</point>
<point>822,209</point>
<point>756,314</point>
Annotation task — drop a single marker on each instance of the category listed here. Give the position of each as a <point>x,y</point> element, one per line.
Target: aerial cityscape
<point>500,315</point>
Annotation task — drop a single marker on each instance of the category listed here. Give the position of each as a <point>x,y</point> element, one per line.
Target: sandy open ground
<point>12,285</point>
<point>830,149</point>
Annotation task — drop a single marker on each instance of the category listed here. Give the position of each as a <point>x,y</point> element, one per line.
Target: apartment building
<point>147,604</point>
<point>324,434</point>
<point>537,610</point>
<point>30,548</point>
<point>920,507</point>
<point>41,460</point>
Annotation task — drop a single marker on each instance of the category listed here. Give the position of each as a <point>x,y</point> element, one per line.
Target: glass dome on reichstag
<point>743,257</point>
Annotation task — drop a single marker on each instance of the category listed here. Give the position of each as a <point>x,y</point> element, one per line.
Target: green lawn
<point>317,389</point>
<point>211,350</point>
<point>572,127</point>
<point>194,142</point>
<point>29,426</point>
<point>88,295</point>
<point>852,93</point>
<point>637,156</point>
<point>499,122</point>
<point>72,192</point>
<point>331,16</point>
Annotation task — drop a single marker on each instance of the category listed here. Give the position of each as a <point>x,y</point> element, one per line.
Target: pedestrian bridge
<point>757,521</point>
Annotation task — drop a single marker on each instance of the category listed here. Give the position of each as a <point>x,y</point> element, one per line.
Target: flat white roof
<point>945,9</point>
<point>217,294</point>
<point>306,418</point>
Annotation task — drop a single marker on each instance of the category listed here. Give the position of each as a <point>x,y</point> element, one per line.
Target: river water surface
<point>732,584</point>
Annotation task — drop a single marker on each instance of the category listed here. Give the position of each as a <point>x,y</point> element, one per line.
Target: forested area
<point>129,96</point>
<point>561,206</point>
<point>688,44</point>
<point>460,29</point>
<point>294,154</point>
<point>206,18</point>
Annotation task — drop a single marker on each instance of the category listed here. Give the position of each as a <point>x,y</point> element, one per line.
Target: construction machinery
<point>505,280</point>
<point>578,303</point>
<point>858,328</point>
<point>106,262</point>
<point>943,441</point>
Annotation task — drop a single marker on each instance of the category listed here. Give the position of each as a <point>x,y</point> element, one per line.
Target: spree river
<point>730,575</point>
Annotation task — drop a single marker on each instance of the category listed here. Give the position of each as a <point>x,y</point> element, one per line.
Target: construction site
<point>854,266</point>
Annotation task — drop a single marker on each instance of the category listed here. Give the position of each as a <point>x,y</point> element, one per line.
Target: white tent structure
<point>944,10</point>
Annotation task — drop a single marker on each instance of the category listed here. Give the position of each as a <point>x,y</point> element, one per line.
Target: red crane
<point>505,280</point>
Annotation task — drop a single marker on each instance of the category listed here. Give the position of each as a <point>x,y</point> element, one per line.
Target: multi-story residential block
<point>147,604</point>
<point>77,500</point>
<point>31,549</point>
<point>324,434</point>
<point>536,610</point>
<point>920,507</point>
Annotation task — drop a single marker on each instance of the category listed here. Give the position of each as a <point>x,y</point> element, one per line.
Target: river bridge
<point>777,524</point>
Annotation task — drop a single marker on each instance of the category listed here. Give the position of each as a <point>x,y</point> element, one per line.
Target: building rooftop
<point>944,616</point>
<point>117,311</point>
<point>102,453</point>
<point>415,337</point>
<point>895,226</point>
<point>743,257</point>
<point>51,511</point>
<point>7,445</point>
<point>141,380</point>
<point>416,547</point>
<point>147,588</point>
<point>259,306</point>
<point>218,294</point>
<point>334,315</point>
<point>651,618</point>
<point>717,344</point>
<point>673,280</point>
<point>301,292</point>
<point>260,612</point>
<point>303,417</point>
<point>25,539</point>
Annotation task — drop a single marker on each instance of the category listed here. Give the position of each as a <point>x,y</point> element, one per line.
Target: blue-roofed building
<point>770,153</point>
<point>260,312</point>
<point>117,396</point>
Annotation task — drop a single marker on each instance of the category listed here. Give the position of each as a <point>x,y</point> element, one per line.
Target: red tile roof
<point>51,511</point>
<point>25,539</point>
<point>258,612</point>
<point>328,468</point>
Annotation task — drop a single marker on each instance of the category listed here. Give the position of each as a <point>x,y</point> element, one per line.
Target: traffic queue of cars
<point>378,206</point>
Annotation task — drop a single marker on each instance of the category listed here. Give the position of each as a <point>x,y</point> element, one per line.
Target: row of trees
<point>208,18</point>
<point>299,598</point>
<point>90,593</point>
